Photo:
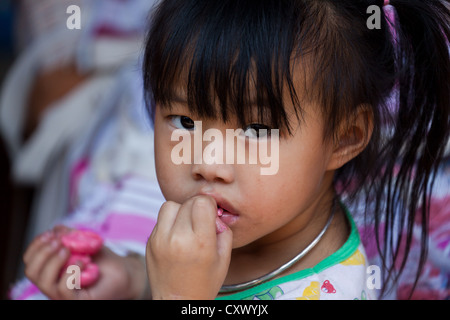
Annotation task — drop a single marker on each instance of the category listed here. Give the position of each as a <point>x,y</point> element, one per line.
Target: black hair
<point>231,55</point>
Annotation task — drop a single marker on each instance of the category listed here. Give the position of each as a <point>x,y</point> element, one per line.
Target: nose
<point>223,173</point>
<point>210,163</point>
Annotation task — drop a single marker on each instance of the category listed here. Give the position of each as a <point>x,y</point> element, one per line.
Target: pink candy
<point>82,241</point>
<point>82,244</point>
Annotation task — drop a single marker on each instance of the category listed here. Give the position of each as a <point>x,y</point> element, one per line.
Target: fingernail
<point>62,252</point>
<point>54,244</point>
<point>45,236</point>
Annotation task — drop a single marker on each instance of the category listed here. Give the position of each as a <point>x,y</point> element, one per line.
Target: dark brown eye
<point>256,131</point>
<point>183,122</point>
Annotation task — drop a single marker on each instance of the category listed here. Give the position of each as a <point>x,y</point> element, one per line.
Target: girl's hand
<point>186,259</point>
<point>120,277</point>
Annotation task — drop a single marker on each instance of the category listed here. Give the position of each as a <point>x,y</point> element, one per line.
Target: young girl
<point>317,72</point>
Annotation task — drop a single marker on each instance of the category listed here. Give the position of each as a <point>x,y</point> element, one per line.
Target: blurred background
<point>73,125</point>
<point>8,53</point>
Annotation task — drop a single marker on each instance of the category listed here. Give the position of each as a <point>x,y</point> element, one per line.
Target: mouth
<point>225,215</point>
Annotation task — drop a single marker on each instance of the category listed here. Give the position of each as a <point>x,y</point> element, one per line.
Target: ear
<point>352,138</point>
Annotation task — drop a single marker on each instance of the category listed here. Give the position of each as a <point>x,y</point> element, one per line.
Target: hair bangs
<point>223,59</point>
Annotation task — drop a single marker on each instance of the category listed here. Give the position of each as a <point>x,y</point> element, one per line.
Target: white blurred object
<point>47,43</point>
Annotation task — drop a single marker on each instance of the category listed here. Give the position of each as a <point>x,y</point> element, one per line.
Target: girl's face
<point>260,209</point>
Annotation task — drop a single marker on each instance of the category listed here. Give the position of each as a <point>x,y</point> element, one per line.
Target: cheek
<point>262,199</point>
<point>299,180</point>
<point>301,170</point>
<point>171,180</point>
<point>169,175</point>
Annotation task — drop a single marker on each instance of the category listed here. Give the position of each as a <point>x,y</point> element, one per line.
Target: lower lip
<point>228,218</point>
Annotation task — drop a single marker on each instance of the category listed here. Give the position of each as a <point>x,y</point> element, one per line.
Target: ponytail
<point>420,131</point>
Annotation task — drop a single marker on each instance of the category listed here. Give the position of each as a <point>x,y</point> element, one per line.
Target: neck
<point>274,250</point>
